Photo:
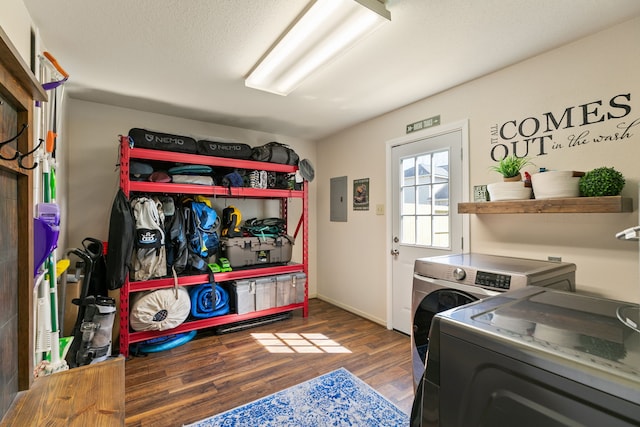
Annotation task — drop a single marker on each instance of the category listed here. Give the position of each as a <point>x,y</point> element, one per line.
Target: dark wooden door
<point>18,91</point>
<point>8,268</point>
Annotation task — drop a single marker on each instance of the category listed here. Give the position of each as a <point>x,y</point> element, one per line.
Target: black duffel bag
<point>143,138</point>
<point>232,150</point>
<point>275,152</point>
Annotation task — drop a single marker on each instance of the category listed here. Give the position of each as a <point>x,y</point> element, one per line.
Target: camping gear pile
<point>271,152</point>
<point>155,236</point>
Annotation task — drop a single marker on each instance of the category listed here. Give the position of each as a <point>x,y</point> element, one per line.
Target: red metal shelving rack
<point>128,337</point>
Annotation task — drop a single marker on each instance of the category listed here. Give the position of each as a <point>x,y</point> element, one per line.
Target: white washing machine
<point>444,282</point>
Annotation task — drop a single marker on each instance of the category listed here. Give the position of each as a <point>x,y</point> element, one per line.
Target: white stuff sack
<point>159,310</point>
<point>149,256</point>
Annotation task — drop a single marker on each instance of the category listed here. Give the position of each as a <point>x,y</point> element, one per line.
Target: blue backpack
<point>201,224</point>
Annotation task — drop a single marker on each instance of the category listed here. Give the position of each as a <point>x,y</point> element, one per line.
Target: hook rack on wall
<point>3,143</point>
<point>18,155</point>
<point>22,156</point>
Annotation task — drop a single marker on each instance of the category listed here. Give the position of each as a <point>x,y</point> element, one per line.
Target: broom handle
<point>57,66</point>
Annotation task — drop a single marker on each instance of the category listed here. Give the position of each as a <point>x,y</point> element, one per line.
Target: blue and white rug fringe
<point>338,398</point>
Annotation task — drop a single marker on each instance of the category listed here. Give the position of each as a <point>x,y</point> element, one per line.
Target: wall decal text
<point>538,135</point>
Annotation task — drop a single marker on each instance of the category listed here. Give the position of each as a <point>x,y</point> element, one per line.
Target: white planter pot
<point>555,184</point>
<point>508,191</point>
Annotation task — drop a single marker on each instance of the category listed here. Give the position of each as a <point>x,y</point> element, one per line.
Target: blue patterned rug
<point>338,398</point>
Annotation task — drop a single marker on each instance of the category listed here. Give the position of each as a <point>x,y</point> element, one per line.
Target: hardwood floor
<point>214,373</point>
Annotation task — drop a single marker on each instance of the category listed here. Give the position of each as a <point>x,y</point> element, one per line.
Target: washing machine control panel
<point>493,280</point>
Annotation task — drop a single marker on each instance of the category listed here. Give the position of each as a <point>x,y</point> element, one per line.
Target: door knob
<point>395,252</point>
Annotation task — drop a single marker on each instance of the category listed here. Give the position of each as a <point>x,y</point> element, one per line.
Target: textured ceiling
<point>188,58</point>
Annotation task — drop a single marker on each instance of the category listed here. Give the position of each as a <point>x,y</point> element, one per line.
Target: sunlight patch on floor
<point>287,342</point>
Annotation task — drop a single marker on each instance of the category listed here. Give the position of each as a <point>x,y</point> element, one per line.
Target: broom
<point>55,363</point>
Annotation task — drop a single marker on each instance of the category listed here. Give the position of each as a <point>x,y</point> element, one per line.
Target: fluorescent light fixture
<point>326,29</point>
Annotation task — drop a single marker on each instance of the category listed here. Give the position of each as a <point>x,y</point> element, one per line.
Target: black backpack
<point>175,236</point>
<point>231,219</point>
<point>120,248</point>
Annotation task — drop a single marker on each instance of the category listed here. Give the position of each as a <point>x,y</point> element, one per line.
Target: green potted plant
<point>603,181</point>
<point>512,187</point>
<point>510,167</point>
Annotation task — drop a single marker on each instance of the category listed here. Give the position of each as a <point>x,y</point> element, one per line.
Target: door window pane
<point>441,231</point>
<point>441,167</point>
<point>423,207</point>
<point>423,236</point>
<point>408,172</point>
<point>423,169</point>
<point>408,205</point>
<point>441,199</point>
<point>408,230</point>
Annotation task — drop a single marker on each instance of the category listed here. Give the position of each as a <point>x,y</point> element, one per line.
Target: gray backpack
<point>149,259</point>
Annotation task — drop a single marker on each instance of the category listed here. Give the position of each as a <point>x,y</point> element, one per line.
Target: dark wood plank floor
<point>214,373</point>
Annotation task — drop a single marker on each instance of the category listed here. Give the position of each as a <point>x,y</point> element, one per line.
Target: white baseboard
<point>353,310</point>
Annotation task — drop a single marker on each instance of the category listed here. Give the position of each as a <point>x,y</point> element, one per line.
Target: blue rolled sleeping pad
<point>168,342</point>
<point>207,302</point>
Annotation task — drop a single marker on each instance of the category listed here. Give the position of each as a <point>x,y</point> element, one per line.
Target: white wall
<point>16,23</point>
<point>92,151</point>
<point>352,257</point>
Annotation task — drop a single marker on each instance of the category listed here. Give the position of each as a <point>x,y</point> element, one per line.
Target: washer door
<point>432,304</point>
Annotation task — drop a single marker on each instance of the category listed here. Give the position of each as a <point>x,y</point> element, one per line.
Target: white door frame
<point>463,126</point>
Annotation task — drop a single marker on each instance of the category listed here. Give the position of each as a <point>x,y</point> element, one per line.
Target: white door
<point>429,177</point>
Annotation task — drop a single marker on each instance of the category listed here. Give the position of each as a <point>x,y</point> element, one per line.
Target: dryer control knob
<point>459,273</point>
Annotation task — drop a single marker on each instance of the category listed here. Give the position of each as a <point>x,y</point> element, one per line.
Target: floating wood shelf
<point>609,204</point>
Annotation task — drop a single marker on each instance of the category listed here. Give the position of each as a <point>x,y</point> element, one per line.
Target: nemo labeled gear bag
<point>143,138</point>
<point>232,150</point>
<point>275,152</point>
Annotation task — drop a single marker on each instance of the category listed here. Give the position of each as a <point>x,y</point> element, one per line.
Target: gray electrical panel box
<point>338,199</point>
